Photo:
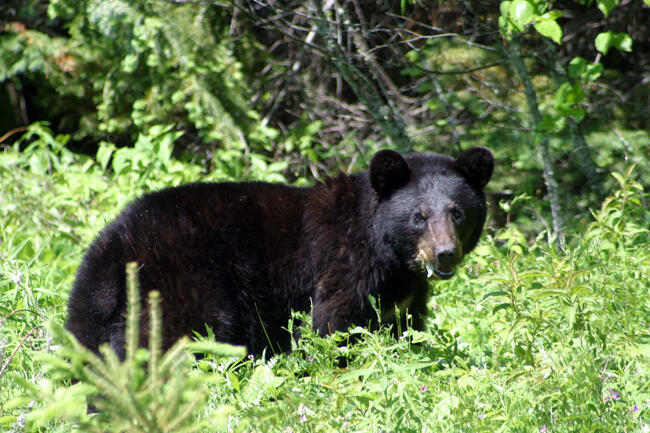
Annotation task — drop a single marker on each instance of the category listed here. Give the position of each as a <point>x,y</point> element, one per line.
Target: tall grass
<point>524,339</point>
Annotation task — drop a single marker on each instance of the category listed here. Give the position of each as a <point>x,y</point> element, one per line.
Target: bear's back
<point>210,249</point>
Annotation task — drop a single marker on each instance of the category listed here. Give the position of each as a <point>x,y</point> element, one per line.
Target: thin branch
<point>460,71</point>
<point>13,131</point>
<point>544,153</point>
<point>436,29</point>
<point>21,310</point>
<point>16,349</point>
<point>384,114</point>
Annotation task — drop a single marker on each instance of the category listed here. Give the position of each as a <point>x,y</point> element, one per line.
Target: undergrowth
<point>524,339</point>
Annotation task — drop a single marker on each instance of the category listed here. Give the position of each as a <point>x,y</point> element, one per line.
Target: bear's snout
<point>446,255</point>
<point>439,248</point>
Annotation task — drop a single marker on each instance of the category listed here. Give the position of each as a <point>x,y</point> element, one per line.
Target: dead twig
<point>17,348</point>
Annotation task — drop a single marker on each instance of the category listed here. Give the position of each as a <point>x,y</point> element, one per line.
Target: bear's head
<point>430,208</point>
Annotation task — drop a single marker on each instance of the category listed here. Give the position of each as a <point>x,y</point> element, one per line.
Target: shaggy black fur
<point>239,257</point>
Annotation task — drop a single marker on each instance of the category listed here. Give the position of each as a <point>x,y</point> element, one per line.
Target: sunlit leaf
<point>550,29</point>
<point>522,11</point>
<point>606,6</point>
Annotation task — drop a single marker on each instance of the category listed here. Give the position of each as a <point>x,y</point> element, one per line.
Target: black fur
<point>240,256</point>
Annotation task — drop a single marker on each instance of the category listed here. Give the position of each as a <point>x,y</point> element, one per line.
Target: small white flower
<point>303,411</point>
<point>17,278</point>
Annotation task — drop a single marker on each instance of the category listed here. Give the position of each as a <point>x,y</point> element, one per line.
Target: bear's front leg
<point>335,309</point>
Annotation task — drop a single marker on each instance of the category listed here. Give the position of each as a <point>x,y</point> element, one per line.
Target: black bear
<point>238,257</point>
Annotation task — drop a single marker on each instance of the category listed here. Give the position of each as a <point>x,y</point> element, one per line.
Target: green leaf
<point>579,114</point>
<point>606,6</point>
<point>104,153</point>
<point>619,178</point>
<point>496,293</point>
<point>550,29</point>
<point>577,66</point>
<point>39,163</point>
<point>623,42</point>
<point>593,72</point>
<point>561,94</point>
<point>218,349</point>
<point>604,41</point>
<point>261,384</point>
<point>503,25</point>
<point>501,307</point>
<point>550,16</point>
<point>522,12</point>
<point>504,7</point>
<point>549,123</point>
<point>6,421</point>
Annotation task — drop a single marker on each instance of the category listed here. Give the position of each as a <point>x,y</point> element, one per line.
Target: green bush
<point>128,65</point>
<point>524,338</point>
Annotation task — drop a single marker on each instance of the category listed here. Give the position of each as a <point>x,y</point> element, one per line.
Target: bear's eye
<point>419,217</point>
<point>457,214</point>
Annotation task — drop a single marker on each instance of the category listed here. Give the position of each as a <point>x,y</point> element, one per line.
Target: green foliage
<point>524,339</point>
<point>517,14</point>
<point>621,41</point>
<point>130,65</point>
<point>147,392</point>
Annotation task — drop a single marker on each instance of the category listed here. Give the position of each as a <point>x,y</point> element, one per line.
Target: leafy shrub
<point>128,65</point>
<point>147,392</point>
<point>524,338</point>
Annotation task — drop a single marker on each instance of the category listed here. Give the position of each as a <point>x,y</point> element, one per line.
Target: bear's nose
<point>446,255</point>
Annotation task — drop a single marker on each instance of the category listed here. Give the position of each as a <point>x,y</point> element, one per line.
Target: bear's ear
<point>476,165</point>
<point>388,172</point>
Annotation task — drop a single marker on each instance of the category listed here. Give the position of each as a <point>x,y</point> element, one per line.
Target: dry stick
<point>514,53</point>
<point>13,131</point>
<point>16,349</point>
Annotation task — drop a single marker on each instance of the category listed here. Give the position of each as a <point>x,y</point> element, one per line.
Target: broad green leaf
<point>619,178</point>
<point>606,6</point>
<point>561,94</point>
<point>579,114</point>
<point>550,29</point>
<point>504,7</point>
<point>593,72</point>
<point>623,42</point>
<point>218,349</point>
<point>603,41</point>
<point>6,421</point>
<point>39,163</point>
<point>549,123</point>
<point>550,16</point>
<point>522,12</point>
<point>503,24</point>
<point>577,66</point>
